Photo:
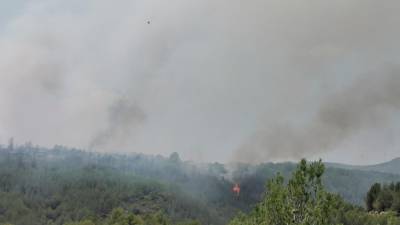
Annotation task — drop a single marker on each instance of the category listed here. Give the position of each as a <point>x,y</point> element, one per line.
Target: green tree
<point>302,201</point>
<point>372,195</point>
<point>175,158</point>
<point>120,217</point>
<point>384,200</point>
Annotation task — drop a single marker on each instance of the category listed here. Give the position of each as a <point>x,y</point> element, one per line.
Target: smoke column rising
<point>212,80</point>
<point>370,102</point>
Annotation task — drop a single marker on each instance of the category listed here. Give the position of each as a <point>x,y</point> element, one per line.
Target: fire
<point>236,189</point>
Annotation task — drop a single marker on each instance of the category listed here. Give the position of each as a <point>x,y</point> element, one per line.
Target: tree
<point>84,222</point>
<point>11,144</point>
<point>302,201</point>
<point>384,200</point>
<point>396,202</point>
<point>174,157</point>
<point>372,195</point>
<point>120,217</point>
<point>397,187</point>
<point>217,169</point>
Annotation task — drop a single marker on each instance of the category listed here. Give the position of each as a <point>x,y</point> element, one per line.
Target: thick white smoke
<point>208,79</point>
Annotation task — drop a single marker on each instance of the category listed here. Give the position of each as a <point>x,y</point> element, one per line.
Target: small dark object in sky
<point>148,22</point>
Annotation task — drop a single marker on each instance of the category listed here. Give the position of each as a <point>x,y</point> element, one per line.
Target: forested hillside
<point>383,197</point>
<point>56,186</point>
<point>303,200</point>
<point>393,166</point>
<point>351,184</point>
<point>61,185</point>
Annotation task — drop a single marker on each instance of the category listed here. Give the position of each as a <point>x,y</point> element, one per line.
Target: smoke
<point>370,102</point>
<point>259,80</point>
<point>123,117</point>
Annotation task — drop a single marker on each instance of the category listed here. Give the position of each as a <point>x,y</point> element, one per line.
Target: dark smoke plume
<point>370,101</point>
<point>124,116</point>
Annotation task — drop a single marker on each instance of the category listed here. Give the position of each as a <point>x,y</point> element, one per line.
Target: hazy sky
<point>214,80</point>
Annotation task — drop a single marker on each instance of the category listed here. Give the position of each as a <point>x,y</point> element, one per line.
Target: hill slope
<point>54,186</point>
<point>351,184</point>
<point>392,167</point>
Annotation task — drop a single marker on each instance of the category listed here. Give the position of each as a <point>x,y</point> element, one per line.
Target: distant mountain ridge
<point>50,185</point>
<point>392,166</point>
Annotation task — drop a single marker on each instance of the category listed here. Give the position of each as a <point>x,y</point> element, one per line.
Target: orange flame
<point>236,189</point>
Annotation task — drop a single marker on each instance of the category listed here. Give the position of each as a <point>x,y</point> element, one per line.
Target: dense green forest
<point>351,184</point>
<point>59,186</point>
<point>303,200</point>
<point>384,197</point>
<point>62,186</point>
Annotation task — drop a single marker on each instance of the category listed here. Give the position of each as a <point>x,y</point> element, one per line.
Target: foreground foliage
<point>121,217</point>
<point>304,201</point>
<point>384,197</point>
